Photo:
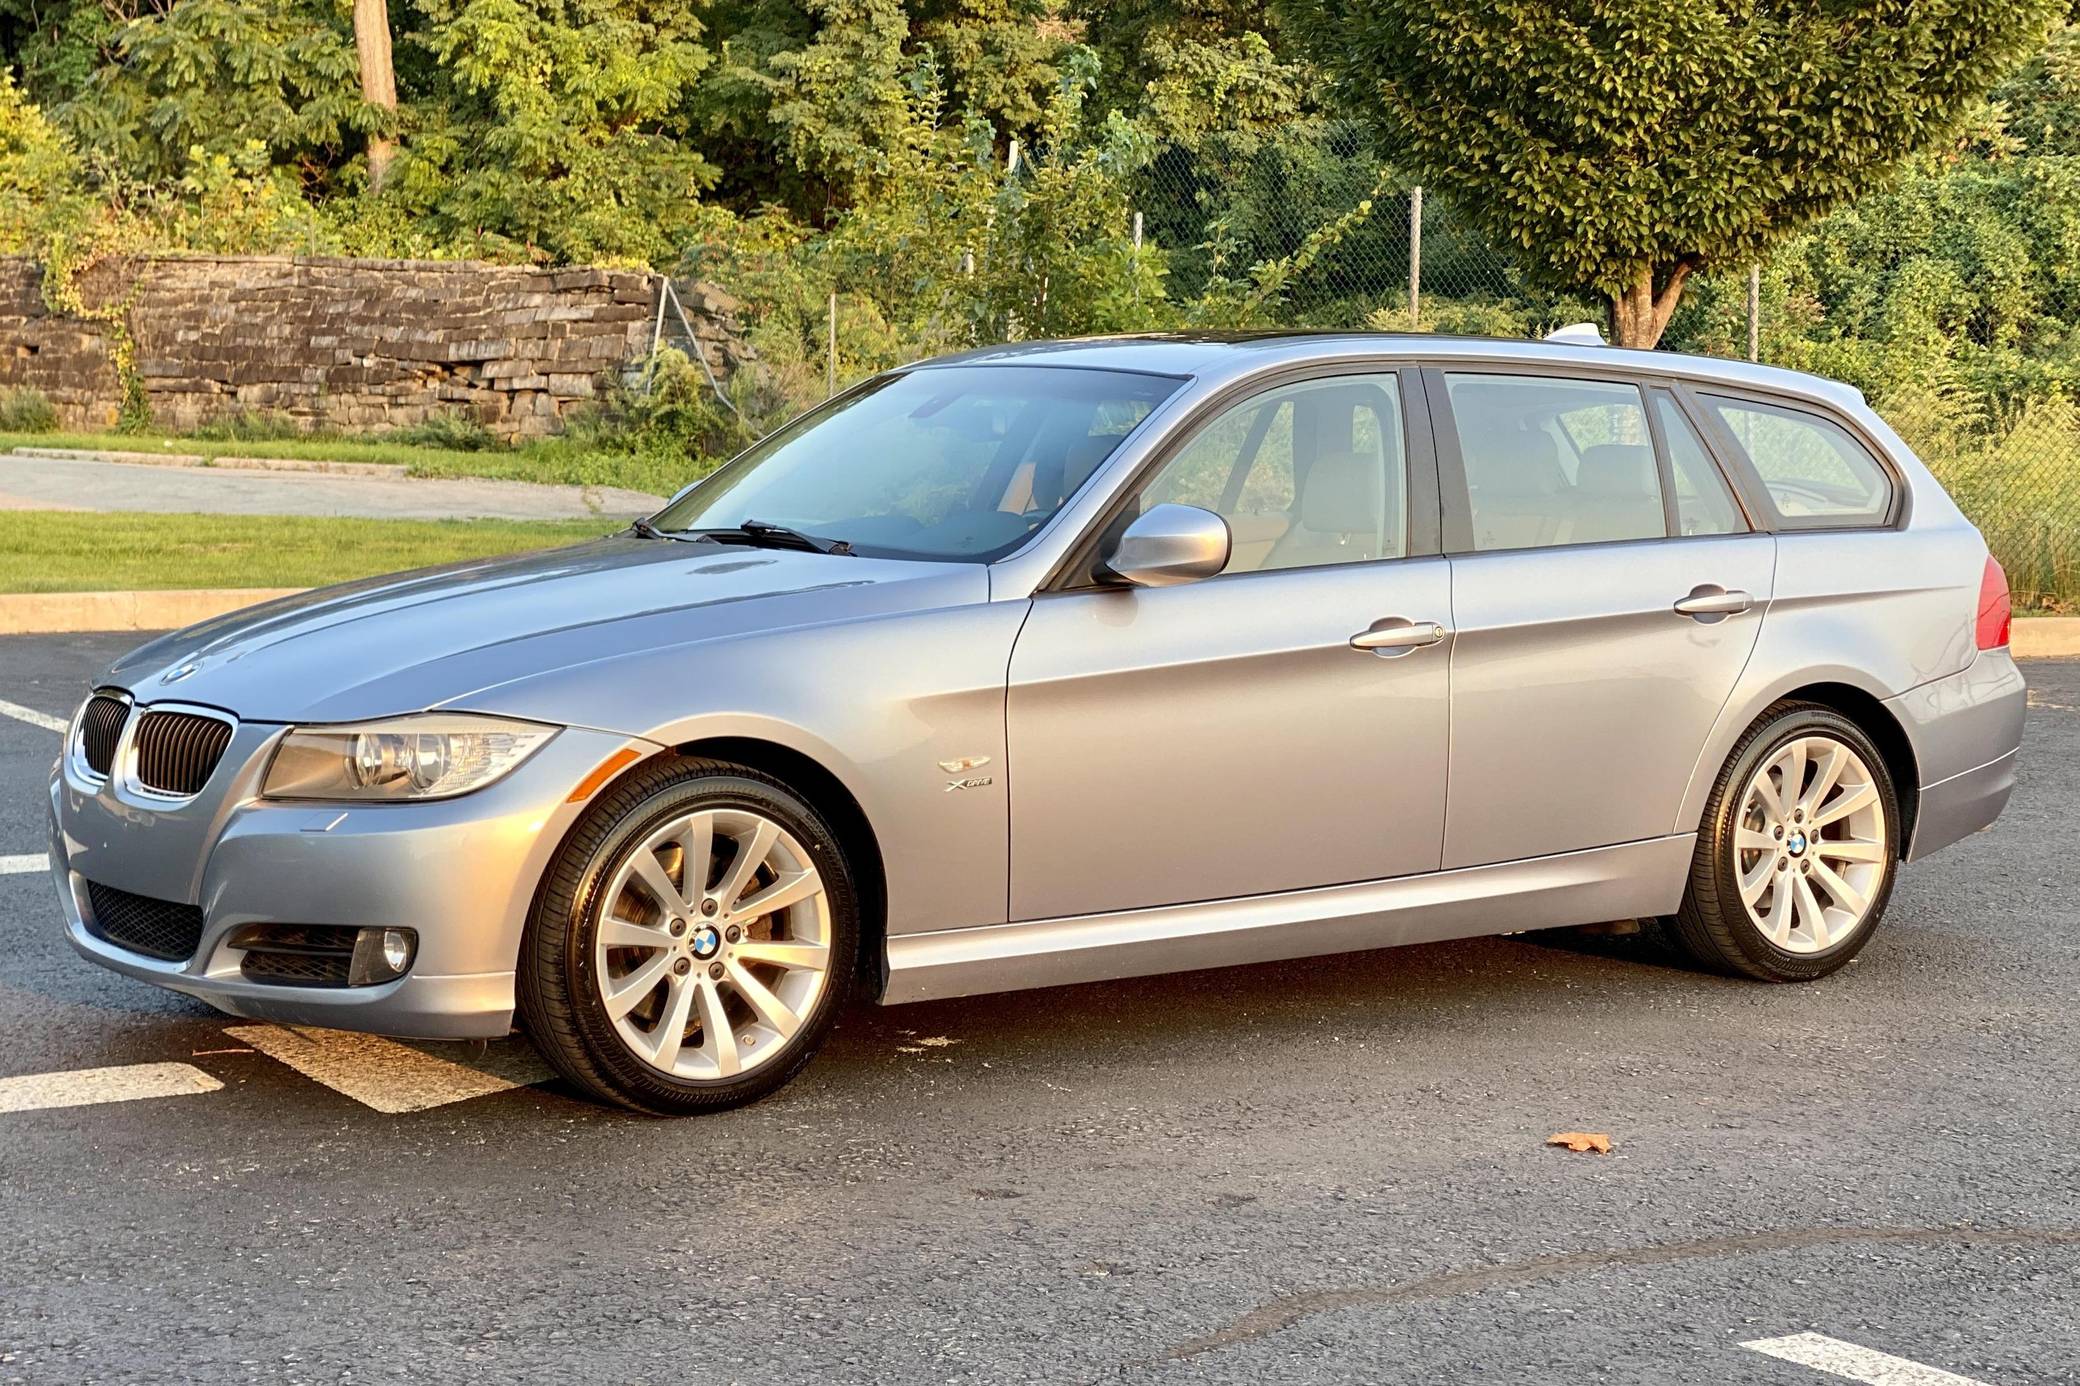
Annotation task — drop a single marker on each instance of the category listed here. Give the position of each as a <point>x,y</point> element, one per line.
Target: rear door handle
<point>1396,635</point>
<point>1713,600</point>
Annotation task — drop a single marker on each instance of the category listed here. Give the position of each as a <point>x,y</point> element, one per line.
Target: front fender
<point>879,703</point>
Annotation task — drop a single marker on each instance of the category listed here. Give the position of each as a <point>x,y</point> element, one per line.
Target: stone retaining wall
<point>358,345</point>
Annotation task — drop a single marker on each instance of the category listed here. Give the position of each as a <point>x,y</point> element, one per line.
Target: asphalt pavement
<point>1322,1170</point>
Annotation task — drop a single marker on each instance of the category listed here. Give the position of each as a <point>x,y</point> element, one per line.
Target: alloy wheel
<point>713,944</point>
<point>1811,850</point>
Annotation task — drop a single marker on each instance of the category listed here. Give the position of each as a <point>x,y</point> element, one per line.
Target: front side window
<point>1555,461</point>
<point>1305,475</point>
<point>953,462</point>
<point>1813,469</point>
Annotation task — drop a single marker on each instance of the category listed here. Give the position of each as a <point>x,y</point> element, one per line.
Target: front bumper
<point>460,872</point>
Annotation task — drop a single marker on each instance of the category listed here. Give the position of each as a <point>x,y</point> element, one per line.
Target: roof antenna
<point>1579,334</point>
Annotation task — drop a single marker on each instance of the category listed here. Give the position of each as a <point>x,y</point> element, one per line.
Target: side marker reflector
<point>604,771</point>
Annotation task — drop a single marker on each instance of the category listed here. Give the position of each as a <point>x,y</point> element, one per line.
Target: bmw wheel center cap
<point>706,941</point>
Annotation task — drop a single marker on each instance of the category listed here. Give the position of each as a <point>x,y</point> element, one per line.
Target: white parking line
<point>22,866</point>
<point>1832,1355</point>
<point>87,1086</point>
<point>380,1073</point>
<point>32,717</point>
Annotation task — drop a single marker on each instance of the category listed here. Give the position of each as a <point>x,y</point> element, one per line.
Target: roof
<point>1222,354</point>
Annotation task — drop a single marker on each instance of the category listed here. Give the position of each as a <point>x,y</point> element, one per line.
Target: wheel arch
<point>836,801</point>
<point>1870,713</point>
<point>830,795</point>
<point>1852,700</point>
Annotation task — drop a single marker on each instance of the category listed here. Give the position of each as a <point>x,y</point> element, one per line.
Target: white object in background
<point>1579,333</point>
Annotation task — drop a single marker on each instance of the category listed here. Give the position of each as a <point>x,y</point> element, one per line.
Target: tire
<point>753,993</point>
<point>1847,862</point>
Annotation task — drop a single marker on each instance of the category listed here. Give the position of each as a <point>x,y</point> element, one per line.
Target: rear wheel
<point>1796,854</point>
<point>692,942</point>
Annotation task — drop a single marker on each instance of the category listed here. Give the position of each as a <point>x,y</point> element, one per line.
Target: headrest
<point>1511,459</point>
<point>1340,494</point>
<point>1056,479</point>
<point>1617,469</point>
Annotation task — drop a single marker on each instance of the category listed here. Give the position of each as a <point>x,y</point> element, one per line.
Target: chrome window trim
<point>125,763</point>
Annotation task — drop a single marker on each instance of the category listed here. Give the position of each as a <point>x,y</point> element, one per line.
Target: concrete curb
<point>193,459</point>
<point>61,613</point>
<point>57,613</point>
<point>2046,637</point>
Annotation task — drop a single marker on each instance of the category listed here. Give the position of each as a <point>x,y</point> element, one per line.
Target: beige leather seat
<point>1337,517</point>
<point>1617,494</point>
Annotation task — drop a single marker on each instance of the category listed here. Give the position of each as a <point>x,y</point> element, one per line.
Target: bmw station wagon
<point>1063,662</point>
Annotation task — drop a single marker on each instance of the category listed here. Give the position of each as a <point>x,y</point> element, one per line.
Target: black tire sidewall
<point>567,920</point>
<point>1766,958</point>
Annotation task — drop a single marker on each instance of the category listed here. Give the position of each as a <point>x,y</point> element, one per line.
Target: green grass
<point>75,551</point>
<point>554,460</point>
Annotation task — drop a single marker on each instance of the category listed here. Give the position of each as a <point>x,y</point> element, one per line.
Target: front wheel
<point>1796,854</point>
<point>692,942</point>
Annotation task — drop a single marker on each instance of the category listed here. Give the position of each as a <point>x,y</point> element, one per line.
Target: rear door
<point>1607,590</point>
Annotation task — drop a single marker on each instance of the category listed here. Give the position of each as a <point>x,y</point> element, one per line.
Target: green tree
<point>1618,146</point>
<point>554,129</point>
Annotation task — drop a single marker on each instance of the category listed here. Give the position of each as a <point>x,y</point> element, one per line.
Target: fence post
<point>1754,312</point>
<point>1415,258</point>
<point>830,351</point>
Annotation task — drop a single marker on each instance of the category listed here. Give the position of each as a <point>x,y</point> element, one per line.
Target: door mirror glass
<point>1167,545</point>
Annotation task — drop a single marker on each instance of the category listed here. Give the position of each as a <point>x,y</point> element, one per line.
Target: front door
<point>1607,593</point>
<point>1226,738</point>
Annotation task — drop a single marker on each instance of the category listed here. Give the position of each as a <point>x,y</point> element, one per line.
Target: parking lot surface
<point>1321,1170</point>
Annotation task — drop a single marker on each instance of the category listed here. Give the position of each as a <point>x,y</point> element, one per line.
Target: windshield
<point>953,462</point>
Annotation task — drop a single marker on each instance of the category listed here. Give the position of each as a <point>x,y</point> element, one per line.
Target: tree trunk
<point>1640,314</point>
<point>378,78</point>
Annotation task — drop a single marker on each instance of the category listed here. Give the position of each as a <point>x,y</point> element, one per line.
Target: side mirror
<point>1169,545</point>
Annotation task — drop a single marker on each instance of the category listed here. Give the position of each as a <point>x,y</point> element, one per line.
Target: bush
<point>454,431</point>
<point>26,411</point>
<point>252,426</point>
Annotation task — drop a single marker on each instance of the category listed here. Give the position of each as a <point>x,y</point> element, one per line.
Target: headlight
<point>434,756</point>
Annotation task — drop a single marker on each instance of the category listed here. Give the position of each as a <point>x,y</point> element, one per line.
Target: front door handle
<point>1713,600</point>
<point>1396,634</point>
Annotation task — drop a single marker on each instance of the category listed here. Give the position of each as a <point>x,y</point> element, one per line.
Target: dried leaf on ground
<point>1581,1141</point>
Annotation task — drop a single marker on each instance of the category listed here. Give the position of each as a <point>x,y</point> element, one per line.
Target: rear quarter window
<point>1817,474</point>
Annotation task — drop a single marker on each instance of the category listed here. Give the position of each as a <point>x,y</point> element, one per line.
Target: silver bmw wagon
<point>1071,661</point>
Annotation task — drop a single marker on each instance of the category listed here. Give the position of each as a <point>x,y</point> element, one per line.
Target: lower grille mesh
<point>177,751</point>
<point>297,955</point>
<point>156,928</point>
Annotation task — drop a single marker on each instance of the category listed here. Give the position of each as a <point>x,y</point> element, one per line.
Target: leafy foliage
<point>1618,145</point>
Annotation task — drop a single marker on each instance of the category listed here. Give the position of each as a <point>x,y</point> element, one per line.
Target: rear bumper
<point>1966,731</point>
<point>1962,804</point>
<point>459,872</point>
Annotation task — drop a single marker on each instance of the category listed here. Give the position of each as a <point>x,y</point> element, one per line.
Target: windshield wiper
<point>764,535</point>
<point>642,528</point>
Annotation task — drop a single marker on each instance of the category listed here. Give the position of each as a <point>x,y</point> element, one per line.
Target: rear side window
<point>1815,471</point>
<point>1703,503</point>
<point>1552,461</point>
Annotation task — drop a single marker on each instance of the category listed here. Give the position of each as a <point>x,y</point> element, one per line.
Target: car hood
<point>432,638</point>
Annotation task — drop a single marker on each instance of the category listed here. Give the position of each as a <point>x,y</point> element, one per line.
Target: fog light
<point>381,955</point>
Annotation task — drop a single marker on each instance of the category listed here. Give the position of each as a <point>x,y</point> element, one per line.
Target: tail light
<point>1996,612</point>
